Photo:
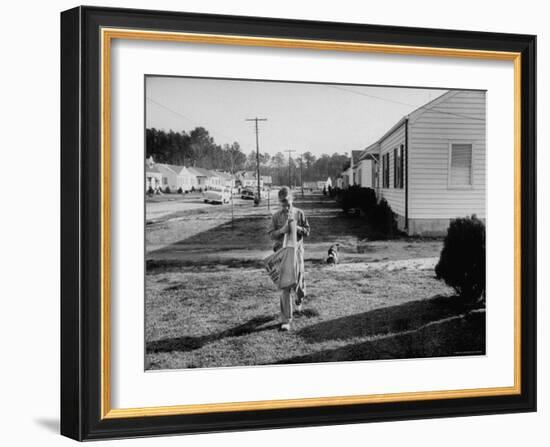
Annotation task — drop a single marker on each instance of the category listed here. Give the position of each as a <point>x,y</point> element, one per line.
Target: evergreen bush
<point>462,261</point>
<point>382,219</point>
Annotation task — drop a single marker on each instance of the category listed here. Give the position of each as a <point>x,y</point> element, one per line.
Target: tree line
<point>198,148</point>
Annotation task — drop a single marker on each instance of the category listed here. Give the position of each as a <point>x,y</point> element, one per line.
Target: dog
<point>332,258</point>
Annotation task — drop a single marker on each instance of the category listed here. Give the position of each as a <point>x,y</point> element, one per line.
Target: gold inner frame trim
<point>107,35</point>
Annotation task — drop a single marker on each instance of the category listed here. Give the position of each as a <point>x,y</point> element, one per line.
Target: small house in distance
<point>205,178</point>
<point>226,179</point>
<point>324,184</point>
<point>431,165</point>
<point>153,176</point>
<point>266,180</point>
<point>364,170</point>
<point>176,177</point>
<point>248,179</point>
<point>349,177</point>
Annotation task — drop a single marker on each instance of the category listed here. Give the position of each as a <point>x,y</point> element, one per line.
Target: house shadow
<point>188,343</point>
<point>456,336</point>
<point>387,320</point>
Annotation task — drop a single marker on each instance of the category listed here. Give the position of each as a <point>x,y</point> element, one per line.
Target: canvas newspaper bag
<point>282,266</point>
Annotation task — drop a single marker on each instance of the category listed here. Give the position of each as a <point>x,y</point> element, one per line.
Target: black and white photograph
<point>295,222</point>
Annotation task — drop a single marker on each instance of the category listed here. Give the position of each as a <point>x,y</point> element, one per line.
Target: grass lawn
<point>209,303</point>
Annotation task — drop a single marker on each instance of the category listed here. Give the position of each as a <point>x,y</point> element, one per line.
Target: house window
<point>398,167</point>
<point>164,180</point>
<point>386,170</point>
<point>460,165</point>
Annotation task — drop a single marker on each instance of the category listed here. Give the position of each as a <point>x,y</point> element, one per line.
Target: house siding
<point>186,180</point>
<point>394,196</point>
<point>364,173</point>
<point>170,176</point>
<point>459,118</point>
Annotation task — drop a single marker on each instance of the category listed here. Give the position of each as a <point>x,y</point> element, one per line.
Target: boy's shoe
<point>285,327</point>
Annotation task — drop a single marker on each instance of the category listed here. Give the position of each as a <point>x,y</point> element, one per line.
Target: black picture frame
<point>81,208</point>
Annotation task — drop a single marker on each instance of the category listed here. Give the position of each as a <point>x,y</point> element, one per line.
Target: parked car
<point>247,193</point>
<point>217,194</point>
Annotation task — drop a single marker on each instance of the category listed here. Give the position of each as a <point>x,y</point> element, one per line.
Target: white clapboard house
<point>431,165</point>
<point>177,177</point>
<point>153,176</point>
<point>205,178</point>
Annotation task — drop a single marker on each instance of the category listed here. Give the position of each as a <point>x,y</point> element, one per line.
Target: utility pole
<point>231,189</point>
<point>302,174</point>
<point>257,154</point>
<point>289,182</point>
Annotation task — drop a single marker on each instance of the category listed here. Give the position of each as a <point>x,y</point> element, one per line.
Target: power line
<point>402,103</point>
<point>193,122</point>
<point>170,110</point>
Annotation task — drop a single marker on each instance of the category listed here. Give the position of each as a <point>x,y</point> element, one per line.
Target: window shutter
<point>386,179</point>
<point>461,164</point>
<point>395,168</point>
<point>384,171</point>
<point>401,167</point>
<point>388,170</point>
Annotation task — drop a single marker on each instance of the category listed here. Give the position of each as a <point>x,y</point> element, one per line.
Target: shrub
<point>382,219</point>
<point>367,200</point>
<point>356,197</point>
<point>345,200</point>
<point>462,261</point>
<point>167,190</point>
<point>150,191</point>
<point>192,189</point>
<point>349,198</point>
<point>180,190</point>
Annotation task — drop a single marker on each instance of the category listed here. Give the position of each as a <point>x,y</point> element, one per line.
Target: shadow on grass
<point>165,265</point>
<point>456,336</point>
<point>248,232</point>
<point>186,343</point>
<point>404,317</point>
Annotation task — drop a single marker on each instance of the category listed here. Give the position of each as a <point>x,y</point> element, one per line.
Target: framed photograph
<point>275,223</point>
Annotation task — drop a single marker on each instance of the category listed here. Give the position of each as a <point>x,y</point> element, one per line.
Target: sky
<point>320,118</point>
